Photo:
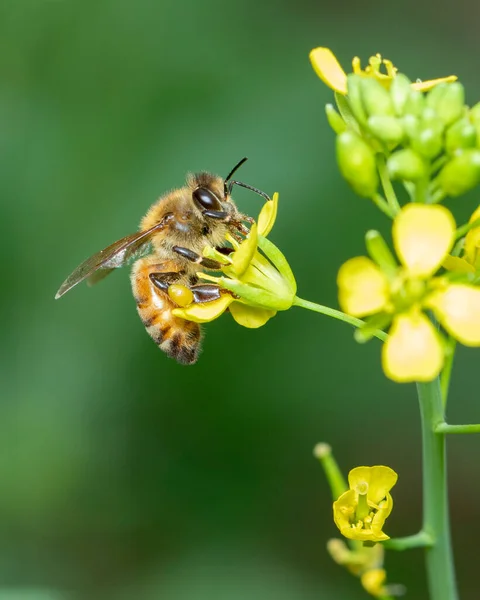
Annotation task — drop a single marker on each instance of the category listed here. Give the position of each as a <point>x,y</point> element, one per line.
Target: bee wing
<point>114,256</point>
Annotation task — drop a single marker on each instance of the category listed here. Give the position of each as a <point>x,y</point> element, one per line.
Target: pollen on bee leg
<point>180,294</point>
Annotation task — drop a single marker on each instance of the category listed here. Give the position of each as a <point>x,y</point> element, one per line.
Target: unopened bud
<point>376,99</point>
<point>461,174</point>
<point>406,164</point>
<point>387,129</point>
<point>356,160</point>
<point>448,102</point>
<point>414,104</point>
<point>428,141</point>
<point>460,135</point>
<point>399,92</point>
<point>334,119</point>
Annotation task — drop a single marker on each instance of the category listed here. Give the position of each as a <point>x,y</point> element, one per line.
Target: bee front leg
<point>192,256</point>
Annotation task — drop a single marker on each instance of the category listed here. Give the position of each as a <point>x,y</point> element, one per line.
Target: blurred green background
<point>124,475</point>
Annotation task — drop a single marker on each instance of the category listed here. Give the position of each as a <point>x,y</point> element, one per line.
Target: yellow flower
<point>469,262</point>
<point>423,236</point>
<point>257,284</point>
<point>360,512</point>
<point>330,72</point>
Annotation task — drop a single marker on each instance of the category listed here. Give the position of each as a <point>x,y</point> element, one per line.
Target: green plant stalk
<point>387,184</point>
<point>439,558</point>
<point>336,314</point>
<point>447,428</point>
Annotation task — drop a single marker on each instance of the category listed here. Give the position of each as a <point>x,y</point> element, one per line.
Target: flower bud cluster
<point>420,134</point>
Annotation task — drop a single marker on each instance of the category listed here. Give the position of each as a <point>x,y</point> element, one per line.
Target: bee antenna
<point>229,176</point>
<point>228,183</point>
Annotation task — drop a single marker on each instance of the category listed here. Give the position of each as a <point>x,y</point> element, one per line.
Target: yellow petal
<point>328,68</point>
<point>424,86</point>
<point>249,316</point>
<point>455,263</point>
<point>380,480</point>
<point>423,235</point>
<point>413,351</point>
<point>458,310</point>
<point>267,216</point>
<point>362,287</point>
<point>385,508</point>
<point>204,311</point>
<point>242,257</point>
<point>344,511</point>
<point>373,581</point>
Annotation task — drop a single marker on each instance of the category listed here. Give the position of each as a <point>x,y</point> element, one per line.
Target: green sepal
<point>346,112</point>
<point>355,100</point>
<point>334,119</point>
<point>356,161</point>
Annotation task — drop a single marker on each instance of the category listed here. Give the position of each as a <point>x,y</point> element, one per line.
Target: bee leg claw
<point>192,256</point>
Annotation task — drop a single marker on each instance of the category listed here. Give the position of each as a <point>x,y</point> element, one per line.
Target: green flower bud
<point>356,160</point>
<point>334,119</point>
<point>460,135</point>
<point>406,164</point>
<point>354,95</point>
<point>428,140</point>
<point>461,174</point>
<point>475,112</point>
<point>399,92</point>
<point>376,99</point>
<point>411,125</point>
<point>414,104</point>
<point>387,129</point>
<point>435,94</point>
<point>450,104</point>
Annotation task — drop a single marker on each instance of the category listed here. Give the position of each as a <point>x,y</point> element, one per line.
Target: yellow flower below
<point>360,512</point>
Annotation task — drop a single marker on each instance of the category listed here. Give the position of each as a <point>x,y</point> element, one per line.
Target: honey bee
<point>168,250</point>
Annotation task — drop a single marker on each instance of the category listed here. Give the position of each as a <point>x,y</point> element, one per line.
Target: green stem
<point>464,229</point>
<point>447,428</point>
<point>387,184</point>
<point>336,314</point>
<point>439,559</point>
<point>383,205</point>
<point>419,540</point>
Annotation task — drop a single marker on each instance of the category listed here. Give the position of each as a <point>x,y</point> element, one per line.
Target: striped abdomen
<point>178,338</point>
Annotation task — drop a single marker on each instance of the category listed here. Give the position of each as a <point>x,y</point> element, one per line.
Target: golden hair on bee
<point>167,251</point>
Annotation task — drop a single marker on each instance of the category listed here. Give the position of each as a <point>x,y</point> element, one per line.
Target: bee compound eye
<point>206,199</point>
